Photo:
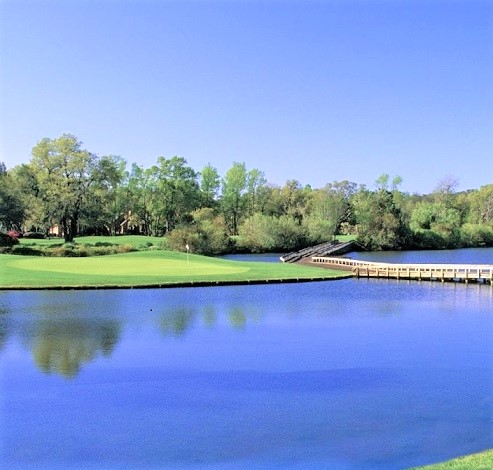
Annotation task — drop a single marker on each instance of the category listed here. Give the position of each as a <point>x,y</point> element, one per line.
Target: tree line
<point>67,186</point>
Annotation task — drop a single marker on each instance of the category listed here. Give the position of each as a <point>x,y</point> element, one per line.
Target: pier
<point>431,272</point>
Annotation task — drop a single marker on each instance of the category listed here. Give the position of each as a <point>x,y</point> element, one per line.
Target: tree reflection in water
<point>177,322</point>
<point>3,327</point>
<point>64,346</point>
<point>62,342</point>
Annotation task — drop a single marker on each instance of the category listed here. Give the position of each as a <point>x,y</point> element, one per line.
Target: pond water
<point>349,374</point>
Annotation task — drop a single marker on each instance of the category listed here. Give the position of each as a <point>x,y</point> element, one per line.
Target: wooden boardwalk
<point>432,272</point>
<point>333,248</point>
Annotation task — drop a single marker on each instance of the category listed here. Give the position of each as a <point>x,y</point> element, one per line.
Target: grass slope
<point>481,461</point>
<point>145,268</point>
<point>133,240</point>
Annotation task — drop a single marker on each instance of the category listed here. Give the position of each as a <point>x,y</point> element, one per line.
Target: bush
<point>7,241</point>
<point>14,234</point>
<point>473,235</point>
<point>262,233</point>
<point>26,251</point>
<point>34,235</point>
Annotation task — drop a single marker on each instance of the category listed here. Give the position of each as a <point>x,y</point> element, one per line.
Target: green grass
<point>346,238</point>
<point>133,240</point>
<point>143,268</point>
<point>481,461</point>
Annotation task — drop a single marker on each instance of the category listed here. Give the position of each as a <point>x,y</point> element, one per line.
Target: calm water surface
<point>351,374</point>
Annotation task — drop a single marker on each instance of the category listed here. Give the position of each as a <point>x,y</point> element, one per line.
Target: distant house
<point>55,231</point>
<point>131,224</point>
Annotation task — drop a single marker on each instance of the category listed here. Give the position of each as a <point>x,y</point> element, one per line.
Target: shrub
<point>14,234</point>
<point>34,235</point>
<point>473,235</point>
<point>262,233</point>
<point>7,241</point>
<point>26,250</point>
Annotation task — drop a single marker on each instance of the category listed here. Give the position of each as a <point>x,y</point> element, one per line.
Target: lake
<point>349,374</point>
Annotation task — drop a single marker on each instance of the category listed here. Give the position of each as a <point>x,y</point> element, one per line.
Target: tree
<point>210,183</point>
<point>11,206</point>
<point>327,209</point>
<point>255,183</point>
<point>177,190</point>
<point>261,233</point>
<point>481,205</point>
<point>65,173</point>
<point>233,189</point>
<point>379,221</point>
<point>140,193</point>
<point>294,199</point>
<point>205,234</point>
<point>108,197</point>
<point>436,224</point>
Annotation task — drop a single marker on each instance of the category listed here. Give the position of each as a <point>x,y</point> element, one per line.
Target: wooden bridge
<point>332,248</point>
<point>432,272</point>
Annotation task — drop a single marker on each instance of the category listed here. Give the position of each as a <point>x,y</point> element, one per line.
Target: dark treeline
<point>68,187</point>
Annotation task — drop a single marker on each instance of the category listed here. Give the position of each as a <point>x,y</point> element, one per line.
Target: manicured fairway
<point>146,268</point>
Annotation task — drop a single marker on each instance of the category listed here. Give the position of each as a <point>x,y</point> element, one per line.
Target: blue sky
<point>316,91</point>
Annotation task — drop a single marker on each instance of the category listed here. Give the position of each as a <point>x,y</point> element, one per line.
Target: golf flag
<point>187,247</point>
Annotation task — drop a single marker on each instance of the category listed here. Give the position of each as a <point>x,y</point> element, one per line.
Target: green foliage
<point>473,235</point>
<point>233,201</point>
<point>262,233</point>
<point>434,221</point>
<point>12,210</point>
<point>34,235</point>
<point>327,209</point>
<point>83,194</point>
<point>209,185</point>
<point>73,250</point>
<point>379,221</point>
<point>205,235</point>
<point>481,206</point>
<point>7,240</point>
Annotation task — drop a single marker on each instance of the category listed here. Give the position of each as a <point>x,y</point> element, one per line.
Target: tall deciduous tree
<point>11,205</point>
<point>255,183</point>
<point>108,196</point>
<point>379,221</point>
<point>327,208</point>
<point>65,173</point>
<point>233,189</point>
<point>210,183</point>
<point>177,189</point>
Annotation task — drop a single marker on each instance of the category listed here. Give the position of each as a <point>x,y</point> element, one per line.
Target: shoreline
<point>184,284</point>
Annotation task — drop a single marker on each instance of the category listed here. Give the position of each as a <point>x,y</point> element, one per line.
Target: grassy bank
<point>144,268</point>
<point>133,240</point>
<point>481,461</point>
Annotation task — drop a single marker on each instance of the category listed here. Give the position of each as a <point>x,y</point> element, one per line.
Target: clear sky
<point>310,90</point>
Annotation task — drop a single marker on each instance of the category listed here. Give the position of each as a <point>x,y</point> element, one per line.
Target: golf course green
<point>145,269</point>
<point>480,461</point>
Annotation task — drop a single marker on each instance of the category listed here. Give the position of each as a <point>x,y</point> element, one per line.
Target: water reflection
<point>3,327</point>
<point>177,322</point>
<point>64,346</point>
<point>65,332</point>
<point>62,343</point>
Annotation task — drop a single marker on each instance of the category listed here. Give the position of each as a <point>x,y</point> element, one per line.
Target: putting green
<point>144,268</point>
<point>127,265</point>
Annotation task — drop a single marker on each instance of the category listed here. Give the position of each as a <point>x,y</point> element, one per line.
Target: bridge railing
<point>409,271</point>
